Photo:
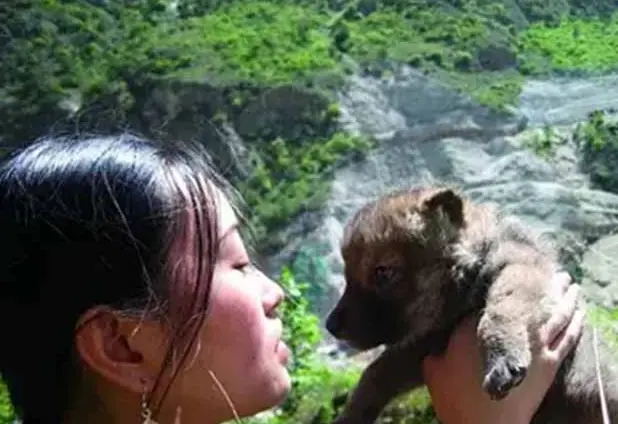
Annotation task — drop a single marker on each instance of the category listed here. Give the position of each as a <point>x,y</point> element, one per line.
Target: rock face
<point>428,133</point>
<point>600,266</point>
<point>564,101</point>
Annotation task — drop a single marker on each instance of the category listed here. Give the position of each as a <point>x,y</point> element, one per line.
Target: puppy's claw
<point>504,374</point>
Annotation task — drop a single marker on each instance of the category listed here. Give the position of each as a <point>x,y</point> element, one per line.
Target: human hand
<point>454,380</point>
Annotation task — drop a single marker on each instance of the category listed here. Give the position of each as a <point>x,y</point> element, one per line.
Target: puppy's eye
<point>384,276</point>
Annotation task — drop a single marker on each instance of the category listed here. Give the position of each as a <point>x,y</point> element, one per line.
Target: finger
<point>569,338</point>
<point>561,317</point>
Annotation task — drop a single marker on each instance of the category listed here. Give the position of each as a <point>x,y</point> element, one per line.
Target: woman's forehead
<point>227,216</point>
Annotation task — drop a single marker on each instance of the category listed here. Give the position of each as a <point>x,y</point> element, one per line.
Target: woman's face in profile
<point>240,342</point>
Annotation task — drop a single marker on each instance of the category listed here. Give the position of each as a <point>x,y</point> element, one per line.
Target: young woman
<point>127,294</point>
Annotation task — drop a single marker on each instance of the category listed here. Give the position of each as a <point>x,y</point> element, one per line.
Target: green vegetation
<point>575,45</point>
<point>544,144</point>
<point>606,320</point>
<point>7,413</point>
<point>256,41</point>
<point>74,49</point>
<point>495,89</point>
<point>422,36</point>
<point>597,140</point>
<point>289,179</point>
<point>467,47</point>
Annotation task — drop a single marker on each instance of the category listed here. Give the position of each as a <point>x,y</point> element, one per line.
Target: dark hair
<point>95,221</point>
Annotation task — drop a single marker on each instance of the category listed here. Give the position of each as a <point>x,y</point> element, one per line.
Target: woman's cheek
<point>245,318</point>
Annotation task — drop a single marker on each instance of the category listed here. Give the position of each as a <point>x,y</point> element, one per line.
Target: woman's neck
<point>97,401</point>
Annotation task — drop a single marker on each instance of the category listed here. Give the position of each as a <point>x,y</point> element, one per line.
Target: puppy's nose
<point>334,324</point>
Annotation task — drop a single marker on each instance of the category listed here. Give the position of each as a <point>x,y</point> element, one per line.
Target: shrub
<point>597,140</point>
<point>575,44</point>
<point>7,413</point>
<point>289,178</point>
<point>258,41</point>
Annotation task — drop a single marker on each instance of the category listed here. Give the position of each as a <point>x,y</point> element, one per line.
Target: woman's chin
<point>285,385</point>
<point>279,391</point>
<point>282,387</point>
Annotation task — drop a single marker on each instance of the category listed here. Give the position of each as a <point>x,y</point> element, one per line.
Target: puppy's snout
<point>334,323</point>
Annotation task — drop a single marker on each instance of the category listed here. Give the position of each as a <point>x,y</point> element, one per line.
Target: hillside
<point>260,83</point>
<point>203,69</point>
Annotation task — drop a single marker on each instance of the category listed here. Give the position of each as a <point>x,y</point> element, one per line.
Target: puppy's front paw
<point>504,372</point>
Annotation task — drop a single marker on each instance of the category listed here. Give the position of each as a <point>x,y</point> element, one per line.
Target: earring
<point>146,412</point>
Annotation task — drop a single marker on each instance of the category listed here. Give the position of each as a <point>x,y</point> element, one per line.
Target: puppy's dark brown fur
<point>418,261</point>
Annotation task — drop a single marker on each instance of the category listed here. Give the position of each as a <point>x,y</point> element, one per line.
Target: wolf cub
<point>416,262</point>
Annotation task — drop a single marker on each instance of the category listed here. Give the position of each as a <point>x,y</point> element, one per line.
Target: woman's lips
<point>283,351</point>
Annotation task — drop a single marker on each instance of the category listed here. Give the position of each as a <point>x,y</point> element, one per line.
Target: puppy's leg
<point>511,305</point>
<point>394,372</point>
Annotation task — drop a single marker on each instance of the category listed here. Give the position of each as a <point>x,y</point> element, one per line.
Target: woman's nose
<point>273,294</point>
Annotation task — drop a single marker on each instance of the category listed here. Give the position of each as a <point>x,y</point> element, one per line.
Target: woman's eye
<point>245,268</point>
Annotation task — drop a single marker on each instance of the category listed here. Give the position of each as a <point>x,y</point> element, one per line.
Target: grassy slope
<point>257,42</point>
<point>92,51</point>
<point>575,45</point>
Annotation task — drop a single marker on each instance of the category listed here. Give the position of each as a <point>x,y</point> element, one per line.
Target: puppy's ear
<point>445,203</point>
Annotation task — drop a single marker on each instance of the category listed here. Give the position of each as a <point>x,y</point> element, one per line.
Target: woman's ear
<point>105,342</point>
